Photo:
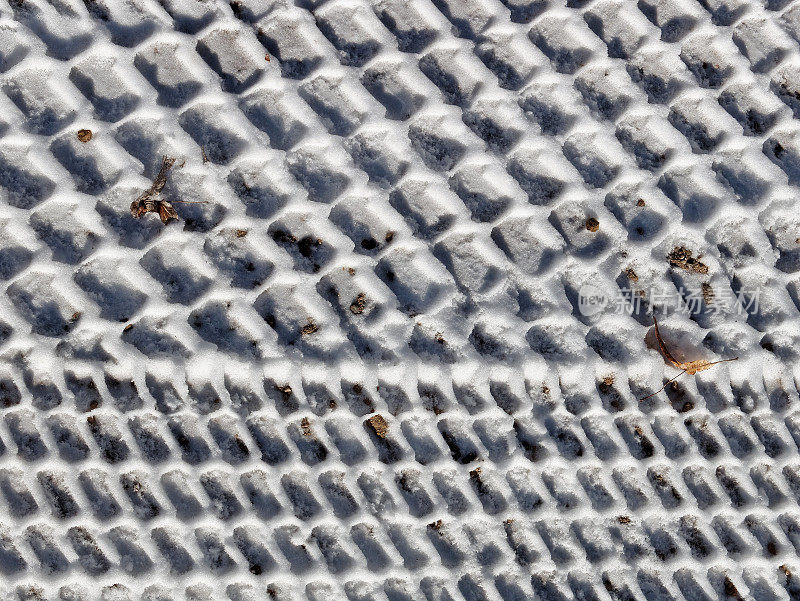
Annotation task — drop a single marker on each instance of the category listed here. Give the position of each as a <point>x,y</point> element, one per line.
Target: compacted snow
<point>399,343</point>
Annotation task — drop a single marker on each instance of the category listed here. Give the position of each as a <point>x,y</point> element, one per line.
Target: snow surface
<point>361,366</point>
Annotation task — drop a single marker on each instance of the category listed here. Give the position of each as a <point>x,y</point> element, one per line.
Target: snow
<point>362,363</point>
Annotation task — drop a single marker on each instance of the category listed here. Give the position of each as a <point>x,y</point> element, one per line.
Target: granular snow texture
<point>360,366</point>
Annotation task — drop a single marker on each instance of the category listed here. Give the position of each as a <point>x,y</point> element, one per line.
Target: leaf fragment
<point>689,367</point>
<point>149,202</point>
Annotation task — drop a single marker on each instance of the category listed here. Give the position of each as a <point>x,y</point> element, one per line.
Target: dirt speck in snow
<point>309,328</point>
<point>357,306</point>
<point>379,425</point>
<point>606,384</point>
<point>285,390</point>
<point>708,292</point>
<point>681,257</point>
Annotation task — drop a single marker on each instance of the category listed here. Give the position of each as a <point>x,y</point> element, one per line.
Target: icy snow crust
<point>359,369</point>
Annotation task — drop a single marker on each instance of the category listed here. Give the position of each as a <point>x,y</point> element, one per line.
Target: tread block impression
<point>353,29</point>
<point>100,82</point>
<point>295,42</point>
<point>46,109</point>
<point>229,54</point>
<point>48,312</point>
<point>172,71</point>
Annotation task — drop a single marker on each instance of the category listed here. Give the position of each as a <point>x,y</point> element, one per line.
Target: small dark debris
<point>592,224</point>
<point>236,7</point>
<point>241,233</point>
<point>84,135</point>
<point>708,292</point>
<point>285,390</point>
<point>306,244</point>
<point>772,548</point>
<point>282,236</point>
<point>309,328</point>
<point>682,257</point>
<point>730,589</point>
<point>640,202</point>
<point>357,306</point>
<point>379,425</point>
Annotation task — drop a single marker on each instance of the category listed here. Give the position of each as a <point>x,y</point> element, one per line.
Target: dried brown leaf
<point>161,178</point>
<point>149,202</point>
<point>689,367</point>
